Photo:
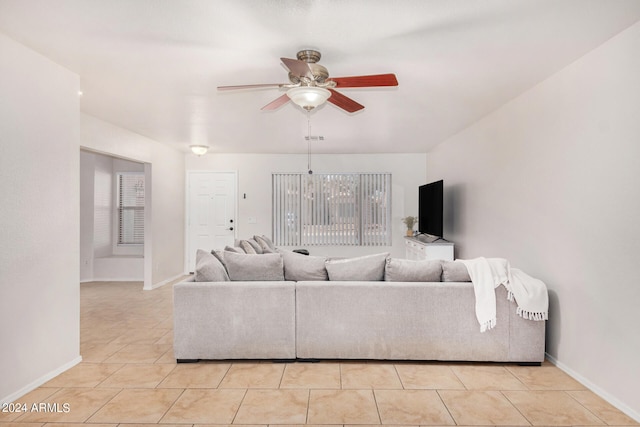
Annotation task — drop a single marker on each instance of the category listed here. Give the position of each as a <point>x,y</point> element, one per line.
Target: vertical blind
<point>332,209</point>
<point>130,209</point>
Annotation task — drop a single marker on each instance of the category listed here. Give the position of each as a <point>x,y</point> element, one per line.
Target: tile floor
<point>128,376</point>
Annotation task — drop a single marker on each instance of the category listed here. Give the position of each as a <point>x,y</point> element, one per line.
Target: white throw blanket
<point>487,274</point>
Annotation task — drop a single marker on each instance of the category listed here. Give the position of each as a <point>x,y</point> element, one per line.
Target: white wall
<point>87,176</point>
<point>550,181</point>
<point>168,198</point>
<point>39,268</point>
<point>164,258</point>
<point>103,206</point>
<point>254,180</point>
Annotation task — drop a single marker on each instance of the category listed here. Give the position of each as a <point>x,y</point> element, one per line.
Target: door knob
<point>230,228</point>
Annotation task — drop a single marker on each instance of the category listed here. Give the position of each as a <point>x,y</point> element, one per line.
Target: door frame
<point>189,173</point>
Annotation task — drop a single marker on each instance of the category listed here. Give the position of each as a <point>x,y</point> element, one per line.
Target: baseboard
<point>594,388</point>
<point>166,281</point>
<point>43,379</point>
<point>119,279</point>
<point>116,279</point>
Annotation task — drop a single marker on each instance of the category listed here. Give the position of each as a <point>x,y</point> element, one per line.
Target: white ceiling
<point>152,66</point>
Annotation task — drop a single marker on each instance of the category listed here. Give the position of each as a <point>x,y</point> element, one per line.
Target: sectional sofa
<point>290,306</point>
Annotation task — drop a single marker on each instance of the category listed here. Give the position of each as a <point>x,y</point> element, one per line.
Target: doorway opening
<point>114,198</point>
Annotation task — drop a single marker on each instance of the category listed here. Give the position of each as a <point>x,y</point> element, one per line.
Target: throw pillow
<point>265,243</point>
<point>299,267</point>
<point>455,271</point>
<point>255,245</point>
<point>220,256</point>
<point>364,268</point>
<point>253,267</point>
<point>209,268</point>
<point>236,249</point>
<point>269,251</point>
<point>405,270</point>
<point>247,247</point>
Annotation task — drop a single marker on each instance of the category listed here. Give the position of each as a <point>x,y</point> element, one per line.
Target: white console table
<point>417,249</point>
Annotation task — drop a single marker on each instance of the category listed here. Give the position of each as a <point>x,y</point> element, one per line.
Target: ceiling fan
<point>310,84</point>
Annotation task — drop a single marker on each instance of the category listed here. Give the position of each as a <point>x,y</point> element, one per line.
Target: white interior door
<point>211,212</point>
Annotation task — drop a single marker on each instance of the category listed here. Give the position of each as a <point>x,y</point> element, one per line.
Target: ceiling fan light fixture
<point>308,97</point>
<point>199,150</point>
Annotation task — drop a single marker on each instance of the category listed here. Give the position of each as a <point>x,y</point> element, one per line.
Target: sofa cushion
<point>209,268</point>
<point>364,268</point>
<point>254,267</point>
<point>303,267</point>
<point>405,270</point>
<point>455,271</point>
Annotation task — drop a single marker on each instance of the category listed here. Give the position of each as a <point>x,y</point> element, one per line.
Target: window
<point>332,209</point>
<point>130,208</point>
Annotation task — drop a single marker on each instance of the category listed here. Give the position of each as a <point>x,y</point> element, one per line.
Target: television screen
<point>430,205</point>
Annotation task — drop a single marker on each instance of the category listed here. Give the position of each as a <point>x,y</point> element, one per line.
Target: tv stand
<point>428,247</point>
<point>428,238</point>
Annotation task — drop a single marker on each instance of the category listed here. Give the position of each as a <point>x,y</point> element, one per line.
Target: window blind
<point>332,209</point>
<point>130,208</point>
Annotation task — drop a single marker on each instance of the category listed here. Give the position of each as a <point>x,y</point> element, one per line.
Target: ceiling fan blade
<point>297,67</point>
<point>276,103</point>
<point>366,81</point>
<point>258,86</point>
<point>346,103</point>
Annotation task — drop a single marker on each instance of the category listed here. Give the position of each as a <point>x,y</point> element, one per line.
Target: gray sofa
<point>349,319</point>
<point>409,321</point>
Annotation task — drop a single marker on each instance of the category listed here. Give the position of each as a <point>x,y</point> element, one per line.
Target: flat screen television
<point>430,208</point>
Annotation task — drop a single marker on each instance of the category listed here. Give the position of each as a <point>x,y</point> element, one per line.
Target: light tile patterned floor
<point>129,376</point>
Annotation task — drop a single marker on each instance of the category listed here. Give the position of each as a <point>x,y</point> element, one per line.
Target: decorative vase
<point>409,233</point>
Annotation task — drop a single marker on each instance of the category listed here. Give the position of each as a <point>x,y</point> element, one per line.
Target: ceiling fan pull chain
<point>309,142</point>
